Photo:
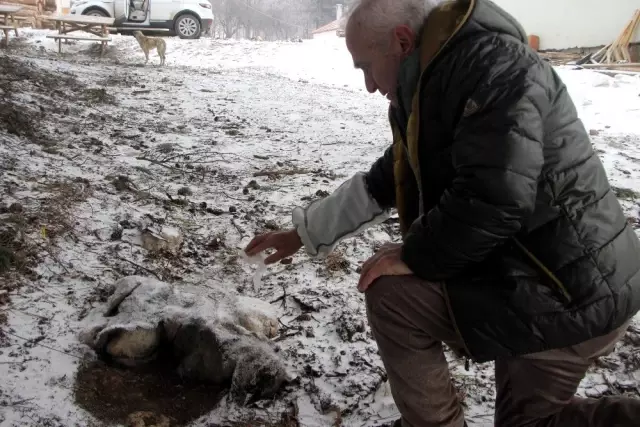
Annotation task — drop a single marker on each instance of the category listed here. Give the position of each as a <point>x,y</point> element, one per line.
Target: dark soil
<point>111,393</point>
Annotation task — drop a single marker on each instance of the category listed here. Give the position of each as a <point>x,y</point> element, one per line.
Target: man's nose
<point>370,84</point>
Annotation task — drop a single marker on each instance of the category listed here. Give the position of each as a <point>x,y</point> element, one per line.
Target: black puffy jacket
<point>518,218</point>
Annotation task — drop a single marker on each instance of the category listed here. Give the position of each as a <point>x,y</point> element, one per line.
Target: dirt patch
<point>97,96</point>
<point>112,394</point>
<point>19,117</point>
<point>336,262</point>
<point>625,193</point>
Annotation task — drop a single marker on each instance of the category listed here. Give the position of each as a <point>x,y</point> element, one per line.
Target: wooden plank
<point>623,47</point>
<point>7,27</point>
<point>629,36</point>
<point>619,50</point>
<point>82,19</point>
<point>150,29</point>
<point>4,8</point>
<point>622,65</point>
<point>72,37</point>
<point>50,4</point>
<point>597,56</point>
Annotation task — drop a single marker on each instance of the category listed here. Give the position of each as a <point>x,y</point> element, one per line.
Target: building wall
<point>63,6</point>
<point>325,35</point>
<point>564,24</point>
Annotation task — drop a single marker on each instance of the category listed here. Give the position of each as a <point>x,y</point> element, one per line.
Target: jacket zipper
<point>545,270</point>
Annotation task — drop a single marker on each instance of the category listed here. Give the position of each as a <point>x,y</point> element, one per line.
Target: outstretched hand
<point>286,243</point>
<point>386,262</point>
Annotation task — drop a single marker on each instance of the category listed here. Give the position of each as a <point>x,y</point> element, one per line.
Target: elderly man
<point>514,247</point>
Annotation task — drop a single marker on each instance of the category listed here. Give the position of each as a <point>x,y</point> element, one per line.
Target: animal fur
<point>149,43</point>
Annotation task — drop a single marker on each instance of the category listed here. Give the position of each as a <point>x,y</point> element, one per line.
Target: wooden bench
<point>23,18</point>
<point>72,37</point>
<point>60,37</point>
<point>5,29</point>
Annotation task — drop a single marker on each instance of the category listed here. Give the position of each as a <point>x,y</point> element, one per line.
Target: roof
<point>331,26</point>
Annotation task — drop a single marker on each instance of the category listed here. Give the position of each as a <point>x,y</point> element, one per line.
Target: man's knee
<point>379,289</point>
<point>381,294</point>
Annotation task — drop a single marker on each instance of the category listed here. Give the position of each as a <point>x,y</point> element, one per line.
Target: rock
<point>215,244</point>
<point>185,191</point>
<point>15,207</point>
<point>147,419</point>
<point>217,337</point>
<point>127,224</point>
<point>271,225</point>
<point>594,132</point>
<point>123,183</point>
<point>349,323</point>
<point>165,239</point>
<point>116,234</point>
<point>166,147</point>
<point>232,209</point>
<point>253,185</point>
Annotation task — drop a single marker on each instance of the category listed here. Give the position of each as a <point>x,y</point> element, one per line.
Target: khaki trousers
<point>410,320</point>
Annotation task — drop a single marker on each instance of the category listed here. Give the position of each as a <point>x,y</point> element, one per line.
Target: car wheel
<point>96,12</point>
<point>188,27</point>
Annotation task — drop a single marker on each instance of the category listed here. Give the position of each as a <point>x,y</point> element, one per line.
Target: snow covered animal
<point>213,337</point>
<point>149,43</point>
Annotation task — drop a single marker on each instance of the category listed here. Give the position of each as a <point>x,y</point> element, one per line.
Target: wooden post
<point>103,44</point>
<point>39,12</point>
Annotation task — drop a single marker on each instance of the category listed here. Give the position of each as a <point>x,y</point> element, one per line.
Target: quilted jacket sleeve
<point>380,180</point>
<point>497,155</point>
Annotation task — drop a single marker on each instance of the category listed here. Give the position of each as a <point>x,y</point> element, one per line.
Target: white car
<point>186,18</point>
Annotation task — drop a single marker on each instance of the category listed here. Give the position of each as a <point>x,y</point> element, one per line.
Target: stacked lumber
<point>616,54</point>
<point>32,10</point>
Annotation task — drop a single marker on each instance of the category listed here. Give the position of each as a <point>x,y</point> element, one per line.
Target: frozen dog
<point>149,43</point>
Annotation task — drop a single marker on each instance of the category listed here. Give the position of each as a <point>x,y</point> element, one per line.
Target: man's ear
<point>405,39</point>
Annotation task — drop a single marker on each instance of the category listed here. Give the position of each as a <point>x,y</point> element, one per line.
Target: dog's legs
<point>162,48</point>
<point>146,55</point>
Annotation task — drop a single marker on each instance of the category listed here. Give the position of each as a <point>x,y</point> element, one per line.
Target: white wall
<point>573,23</point>
<point>63,6</point>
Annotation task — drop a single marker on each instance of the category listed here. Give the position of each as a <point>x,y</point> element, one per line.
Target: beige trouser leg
<point>537,390</point>
<point>409,319</point>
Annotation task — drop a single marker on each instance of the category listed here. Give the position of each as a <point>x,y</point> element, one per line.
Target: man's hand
<point>386,262</point>
<point>286,243</point>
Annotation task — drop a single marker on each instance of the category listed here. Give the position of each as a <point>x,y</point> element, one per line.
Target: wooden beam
<point>620,65</point>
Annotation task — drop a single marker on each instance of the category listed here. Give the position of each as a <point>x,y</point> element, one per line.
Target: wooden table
<point>96,25</point>
<point>8,21</point>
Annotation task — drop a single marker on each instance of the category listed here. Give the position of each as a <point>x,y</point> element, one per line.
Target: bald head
<point>380,34</point>
<point>375,20</point>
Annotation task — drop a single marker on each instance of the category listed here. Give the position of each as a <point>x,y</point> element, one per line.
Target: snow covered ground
<point>221,143</point>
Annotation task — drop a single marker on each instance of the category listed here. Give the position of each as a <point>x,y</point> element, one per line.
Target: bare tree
<point>228,16</point>
<point>272,19</point>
